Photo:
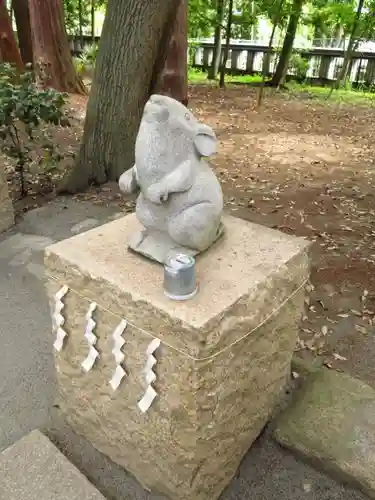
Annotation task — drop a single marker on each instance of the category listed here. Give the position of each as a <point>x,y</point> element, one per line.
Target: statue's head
<point>162,113</point>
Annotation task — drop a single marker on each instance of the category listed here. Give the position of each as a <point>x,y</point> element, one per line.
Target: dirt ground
<point>299,165</point>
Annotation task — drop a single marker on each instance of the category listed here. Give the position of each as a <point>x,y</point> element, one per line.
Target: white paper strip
<point>118,340</point>
<point>150,394</point>
<point>58,319</point>
<point>91,338</point>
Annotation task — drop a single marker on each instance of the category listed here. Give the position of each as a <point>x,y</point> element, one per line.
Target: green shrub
<point>299,65</point>
<point>23,107</point>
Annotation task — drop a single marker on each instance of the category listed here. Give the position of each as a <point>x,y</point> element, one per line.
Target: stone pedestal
<point>6,207</point>
<point>223,361</point>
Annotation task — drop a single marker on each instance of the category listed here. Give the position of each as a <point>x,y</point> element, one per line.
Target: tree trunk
<point>216,57</point>
<point>80,23</point>
<point>131,57</point>
<point>22,15</point>
<point>174,79</point>
<point>52,58</point>
<point>286,51</point>
<point>227,44</point>
<point>352,45</point>
<point>267,55</point>
<point>93,20</point>
<point>8,47</point>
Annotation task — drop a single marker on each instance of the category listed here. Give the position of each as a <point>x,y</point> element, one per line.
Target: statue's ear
<point>205,141</point>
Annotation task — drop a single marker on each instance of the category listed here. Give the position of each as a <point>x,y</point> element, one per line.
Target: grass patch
<point>343,95</point>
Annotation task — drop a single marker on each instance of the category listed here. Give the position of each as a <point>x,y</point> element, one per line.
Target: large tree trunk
<point>174,79</point>
<point>52,58</point>
<point>286,51</point>
<point>132,53</point>
<point>227,44</point>
<point>8,47</point>
<point>22,15</point>
<point>216,56</point>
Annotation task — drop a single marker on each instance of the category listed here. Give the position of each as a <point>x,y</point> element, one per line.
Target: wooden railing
<point>324,63</point>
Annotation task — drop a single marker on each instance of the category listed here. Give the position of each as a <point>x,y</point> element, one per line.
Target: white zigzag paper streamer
<point>91,338</point>
<point>150,394</point>
<point>118,340</point>
<point>58,318</point>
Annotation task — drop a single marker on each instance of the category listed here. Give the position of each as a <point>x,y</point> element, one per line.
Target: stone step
<point>34,469</point>
<point>331,421</point>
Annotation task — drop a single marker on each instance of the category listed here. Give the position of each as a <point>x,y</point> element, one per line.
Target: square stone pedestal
<point>6,207</point>
<point>223,360</point>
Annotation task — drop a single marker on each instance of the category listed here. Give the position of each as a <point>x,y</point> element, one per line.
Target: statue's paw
<point>156,195</point>
<point>127,182</point>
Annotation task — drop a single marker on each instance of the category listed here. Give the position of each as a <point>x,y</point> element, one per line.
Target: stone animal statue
<point>180,202</point>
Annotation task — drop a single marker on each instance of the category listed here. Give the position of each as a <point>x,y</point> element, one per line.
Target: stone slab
<point>6,206</point>
<point>332,422</point>
<point>224,358</point>
<point>34,469</point>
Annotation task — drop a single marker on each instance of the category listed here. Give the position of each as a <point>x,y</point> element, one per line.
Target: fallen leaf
<point>339,357</point>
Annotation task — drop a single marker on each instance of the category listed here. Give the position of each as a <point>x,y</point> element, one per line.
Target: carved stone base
<point>156,245</point>
<point>222,364</point>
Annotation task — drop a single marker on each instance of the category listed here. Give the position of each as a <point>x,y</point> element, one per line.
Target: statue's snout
<point>156,109</point>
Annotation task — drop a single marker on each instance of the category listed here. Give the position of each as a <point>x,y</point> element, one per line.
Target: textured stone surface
<point>181,201</point>
<point>332,422</point>
<point>34,469</point>
<point>6,207</point>
<point>208,413</point>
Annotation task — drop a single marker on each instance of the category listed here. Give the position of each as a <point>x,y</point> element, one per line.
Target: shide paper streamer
<point>150,394</point>
<point>58,319</point>
<point>118,340</point>
<point>91,338</point>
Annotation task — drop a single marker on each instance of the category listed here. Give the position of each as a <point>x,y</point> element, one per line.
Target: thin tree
<point>217,52</point>
<point>174,79</point>
<point>276,21</point>
<point>22,17</point>
<point>352,45</point>
<point>131,57</point>
<point>8,47</point>
<point>53,62</point>
<point>227,44</point>
<point>287,48</point>
<point>93,20</point>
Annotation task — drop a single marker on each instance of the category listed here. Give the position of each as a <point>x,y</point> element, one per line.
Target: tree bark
<point>22,16</point>
<point>174,79</point>
<point>131,57</point>
<point>52,58</point>
<point>8,47</point>
<point>216,56</point>
<point>227,44</point>
<point>286,51</point>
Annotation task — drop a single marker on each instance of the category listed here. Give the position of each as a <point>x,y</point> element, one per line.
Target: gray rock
<point>181,201</point>
<point>34,469</point>
<point>332,422</point>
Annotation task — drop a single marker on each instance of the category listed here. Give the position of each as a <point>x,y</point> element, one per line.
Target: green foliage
<point>202,14</point>
<point>86,60</point>
<point>299,65</point>
<point>72,17</point>
<point>23,107</point>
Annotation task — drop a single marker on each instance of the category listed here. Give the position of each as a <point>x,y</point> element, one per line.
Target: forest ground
<point>298,164</point>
